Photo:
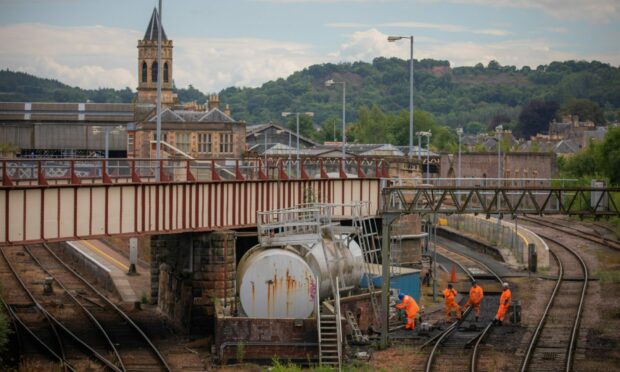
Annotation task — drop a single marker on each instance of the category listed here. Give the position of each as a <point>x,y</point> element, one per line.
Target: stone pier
<point>190,272</point>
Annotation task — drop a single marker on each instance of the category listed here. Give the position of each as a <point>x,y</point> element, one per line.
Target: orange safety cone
<point>453,274</point>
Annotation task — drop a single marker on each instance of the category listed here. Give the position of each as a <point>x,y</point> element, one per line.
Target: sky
<point>245,43</point>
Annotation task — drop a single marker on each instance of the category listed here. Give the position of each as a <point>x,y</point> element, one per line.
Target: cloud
<point>366,45</point>
<point>595,10</point>
<point>92,57</point>
<point>445,27</point>
<point>89,57</point>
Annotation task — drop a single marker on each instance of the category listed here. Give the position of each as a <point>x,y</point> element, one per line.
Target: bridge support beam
<point>189,273</point>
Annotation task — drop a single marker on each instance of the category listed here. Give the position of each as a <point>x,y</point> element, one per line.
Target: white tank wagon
<point>280,282</point>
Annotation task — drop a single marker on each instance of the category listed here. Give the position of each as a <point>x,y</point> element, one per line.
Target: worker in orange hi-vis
<point>504,302</point>
<point>475,298</point>
<point>450,303</point>
<point>411,309</point>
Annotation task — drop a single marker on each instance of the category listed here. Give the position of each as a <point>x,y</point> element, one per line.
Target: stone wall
<point>190,272</point>
<point>514,165</point>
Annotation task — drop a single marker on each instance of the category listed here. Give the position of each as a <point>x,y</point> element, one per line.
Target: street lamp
<point>329,83</point>
<point>499,130</point>
<point>393,39</point>
<point>459,131</point>
<point>158,101</point>
<point>428,136</point>
<point>308,113</point>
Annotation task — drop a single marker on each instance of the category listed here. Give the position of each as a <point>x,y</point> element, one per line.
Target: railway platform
<point>111,267</point>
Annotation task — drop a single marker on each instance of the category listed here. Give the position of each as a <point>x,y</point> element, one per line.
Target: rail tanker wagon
<point>281,282</point>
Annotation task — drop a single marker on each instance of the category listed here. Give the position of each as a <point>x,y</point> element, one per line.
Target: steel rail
<point>18,321</point>
<point>534,340</point>
<point>576,324</point>
<point>153,348</point>
<point>62,355</point>
<point>575,330</point>
<point>577,233</point>
<point>88,314</point>
<point>438,340</point>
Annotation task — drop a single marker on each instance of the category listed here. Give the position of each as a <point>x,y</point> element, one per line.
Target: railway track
<point>570,230</point>
<point>98,324</point>
<point>453,340</point>
<point>555,338</point>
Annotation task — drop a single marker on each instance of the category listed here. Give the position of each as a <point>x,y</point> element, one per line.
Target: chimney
<point>227,109</point>
<point>214,101</point>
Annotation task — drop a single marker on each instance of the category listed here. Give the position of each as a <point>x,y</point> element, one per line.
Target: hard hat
<point>449,285</point>
<point>400,296</point>
<point>505,285</point>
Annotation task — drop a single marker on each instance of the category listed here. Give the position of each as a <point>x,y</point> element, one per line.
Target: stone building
<point>513,165</point>
<point>188,131</point>
<point>147,65</point>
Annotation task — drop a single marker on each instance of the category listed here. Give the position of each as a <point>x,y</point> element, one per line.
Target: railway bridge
<point>57,200</point>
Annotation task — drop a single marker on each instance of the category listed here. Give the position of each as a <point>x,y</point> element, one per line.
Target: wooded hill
<point>475,97</point>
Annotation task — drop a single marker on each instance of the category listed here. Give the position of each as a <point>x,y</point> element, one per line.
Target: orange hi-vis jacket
<point>411,307</point>
<point>506,298</point>
<point>476,294</point>
<point>450,295</point>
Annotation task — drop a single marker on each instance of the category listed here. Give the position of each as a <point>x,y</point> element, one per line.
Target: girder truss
<point>580,201</point>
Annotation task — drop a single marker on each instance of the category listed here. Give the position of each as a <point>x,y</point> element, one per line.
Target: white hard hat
<point>505,284</point>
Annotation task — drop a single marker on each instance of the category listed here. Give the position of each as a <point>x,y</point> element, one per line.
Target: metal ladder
<point>356,335</point>
<point>368,238</point>
<point>329,326</point>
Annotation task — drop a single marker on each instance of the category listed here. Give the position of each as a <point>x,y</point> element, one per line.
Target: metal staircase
<point>330,333</point>
<point>368,239</point>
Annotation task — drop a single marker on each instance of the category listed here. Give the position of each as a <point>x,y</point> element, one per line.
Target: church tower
<point>147,65</point>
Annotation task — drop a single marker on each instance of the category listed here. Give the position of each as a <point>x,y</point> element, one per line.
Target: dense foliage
<point>597,160</point>
<point>477,98</point>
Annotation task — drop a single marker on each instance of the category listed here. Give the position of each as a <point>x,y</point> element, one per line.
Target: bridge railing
<point>76,171</point>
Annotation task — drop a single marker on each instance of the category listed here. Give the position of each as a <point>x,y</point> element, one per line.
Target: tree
<point>498,119</point>
<point>473,127</point>
<point>610,154</point>
<point>306,126</point>
<point>585,109</point>
<point>535,118</point>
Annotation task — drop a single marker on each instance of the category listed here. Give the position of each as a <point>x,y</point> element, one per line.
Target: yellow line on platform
<point>105,255</point>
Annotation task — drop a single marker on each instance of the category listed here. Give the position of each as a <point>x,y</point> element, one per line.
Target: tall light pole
<point>329,83</point>
<point>459,131</point>
<point>393,39</point>
<point>308,113</point>
<point>158,103</point>
<point>428,136</point>
<point>498,130</point>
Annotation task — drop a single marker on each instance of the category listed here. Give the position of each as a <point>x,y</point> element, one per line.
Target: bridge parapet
<point>43,172</point>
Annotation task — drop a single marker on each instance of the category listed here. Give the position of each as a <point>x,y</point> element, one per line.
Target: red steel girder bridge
<point>58,199</point>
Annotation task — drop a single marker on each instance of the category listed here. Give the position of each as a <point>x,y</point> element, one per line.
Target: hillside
<point>455,96</point>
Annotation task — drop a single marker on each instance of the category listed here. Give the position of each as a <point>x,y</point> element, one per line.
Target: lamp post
<point>329,83</point>
<point>428,136</point>
<point>459,131</point>
<point>499,130</point>
<point>308,113</point>
<point>393,39</point>
<point>158,103</point>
